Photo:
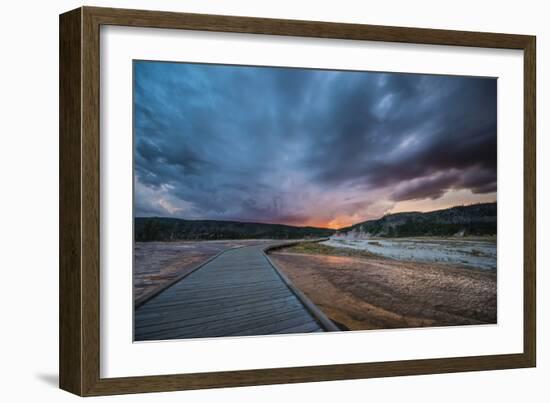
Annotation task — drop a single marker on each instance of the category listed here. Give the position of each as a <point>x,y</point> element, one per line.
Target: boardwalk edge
<point>317,314</point>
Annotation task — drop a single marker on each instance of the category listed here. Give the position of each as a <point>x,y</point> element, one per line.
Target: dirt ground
<point>361,292</point>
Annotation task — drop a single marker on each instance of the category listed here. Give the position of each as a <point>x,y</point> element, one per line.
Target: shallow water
<point>479,254</point>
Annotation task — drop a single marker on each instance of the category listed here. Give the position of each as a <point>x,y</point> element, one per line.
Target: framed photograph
<point>249,201</point>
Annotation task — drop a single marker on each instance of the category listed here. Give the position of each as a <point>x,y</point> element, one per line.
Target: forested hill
<point>175,229</point>
<point>476,219</point>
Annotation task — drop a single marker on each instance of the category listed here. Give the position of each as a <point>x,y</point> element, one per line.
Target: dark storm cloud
<point>426,188</point>
<point>408,126</point>
<point>275,144</point>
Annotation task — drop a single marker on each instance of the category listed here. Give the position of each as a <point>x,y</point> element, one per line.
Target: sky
<point>308,147</point>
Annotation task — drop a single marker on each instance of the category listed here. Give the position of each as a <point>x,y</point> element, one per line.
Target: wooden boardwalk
<point>238,293</point>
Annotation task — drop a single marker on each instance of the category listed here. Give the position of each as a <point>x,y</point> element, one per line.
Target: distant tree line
<point>174,229</point>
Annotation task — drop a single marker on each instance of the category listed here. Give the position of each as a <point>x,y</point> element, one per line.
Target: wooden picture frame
<point>79,200</point>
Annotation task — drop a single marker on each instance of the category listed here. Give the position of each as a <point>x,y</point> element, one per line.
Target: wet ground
<point>478,253</point>
<point>363,291</point>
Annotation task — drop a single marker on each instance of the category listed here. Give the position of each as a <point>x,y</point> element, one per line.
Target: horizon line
<point>311,226</point>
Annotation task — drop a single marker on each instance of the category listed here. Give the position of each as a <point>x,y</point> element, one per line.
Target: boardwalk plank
<point>219,289</point>
<point>236,294</point>
<point>213,297</point>
<point>274,327</point>
<point>220,324</point>
<point>183,314</point>
<point>208,306</point>
<point>244,306</point>
<point>255,325</point>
